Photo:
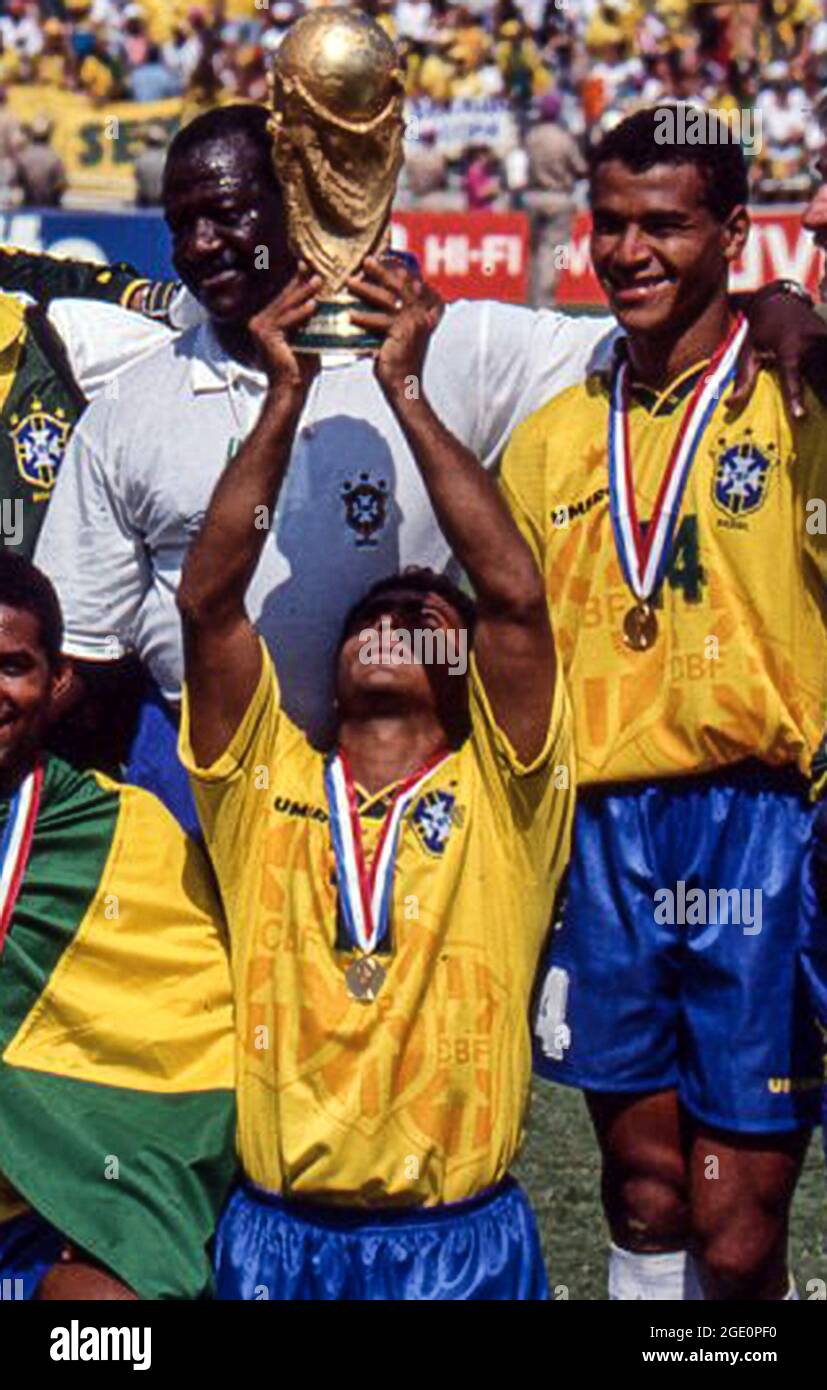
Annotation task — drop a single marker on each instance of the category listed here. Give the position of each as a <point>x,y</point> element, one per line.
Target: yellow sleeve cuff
<point>558,723</point>
<point>266,697</point>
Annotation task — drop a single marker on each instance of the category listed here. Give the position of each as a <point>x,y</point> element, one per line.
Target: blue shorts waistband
<point>353,1218</point>
<point>749,774</point>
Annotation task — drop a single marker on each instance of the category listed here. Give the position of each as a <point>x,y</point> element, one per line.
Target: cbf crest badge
<point>366,507</point>
<point>39,441</point>
<point>432,818</point>
<point>742,474</point>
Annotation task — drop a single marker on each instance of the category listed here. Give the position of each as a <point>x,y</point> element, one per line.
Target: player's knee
<point>647,1211</point>
<point>742,1257</point>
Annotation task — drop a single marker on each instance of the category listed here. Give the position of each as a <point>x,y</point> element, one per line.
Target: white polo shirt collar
<point>212,367</point>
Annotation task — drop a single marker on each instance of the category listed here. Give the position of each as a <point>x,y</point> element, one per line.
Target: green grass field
<point>560,1169</point>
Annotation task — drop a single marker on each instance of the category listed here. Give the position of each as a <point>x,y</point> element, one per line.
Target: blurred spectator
<point>782,173</point>
<point>783,123</point>
<point>414,19</point>
<point>40,169</point>
<point>277,21</point>
<point>483,179</point>
<point>612,25</point>
<point>21,29</point>
<point>779,91</point>
<point>555,164</point>
<point>818,37</point>
<point>181,53</point>
<point>616,76</point>
<point>99,71</point>
<point>425,175</point>
<point>435,71</point>
<point>520,63</point>
<point>250,76</point>
<point>516,170</point>
<point>12,141</point>
<point>149,167</point>
<point>10,68</point>
<point>151,80</point>
<point>471,44</point>
<point>55,63</point>
<point>135,40</point>
<point>784,28</point>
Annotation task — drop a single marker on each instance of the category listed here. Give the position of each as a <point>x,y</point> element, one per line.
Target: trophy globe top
<point>337,127</point>
<point>343,61</point>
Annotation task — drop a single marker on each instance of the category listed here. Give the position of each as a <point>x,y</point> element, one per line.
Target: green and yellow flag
<point>117,1113</point>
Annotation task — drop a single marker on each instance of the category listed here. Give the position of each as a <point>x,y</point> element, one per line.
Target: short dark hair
<point>419,580</point>
<point>25,587</point>
<point>223,123</point>
<point>720,162</point>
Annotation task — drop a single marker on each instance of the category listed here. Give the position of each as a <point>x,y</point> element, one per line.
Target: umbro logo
<point>564,514</point>
<point>302,809</point>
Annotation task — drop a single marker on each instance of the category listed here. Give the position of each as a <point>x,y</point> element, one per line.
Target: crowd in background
<point>503,98</point>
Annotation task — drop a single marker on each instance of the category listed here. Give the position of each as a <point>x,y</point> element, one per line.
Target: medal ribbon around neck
<point>16,845</point>
<point>644,560</point>
<point>365,891</point>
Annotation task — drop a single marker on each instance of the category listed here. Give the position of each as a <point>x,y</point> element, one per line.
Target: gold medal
<point>640,627</point>
<point>644,551</point>
<point>364,978</point>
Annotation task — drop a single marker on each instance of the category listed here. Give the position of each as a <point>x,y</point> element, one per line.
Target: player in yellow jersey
<point>387,901</point>
<point>814,220</point>
<point>103,903</point>
<point>689,614</point>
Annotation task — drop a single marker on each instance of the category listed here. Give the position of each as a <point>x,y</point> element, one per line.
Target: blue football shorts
<point>485,1248</point>
<point>153,761</point>
<point>814,898</point>
<point>676,959</point>
<point>29,1247</point>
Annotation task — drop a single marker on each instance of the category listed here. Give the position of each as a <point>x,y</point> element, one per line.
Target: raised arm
<point>513,643</point>
<point>222,656</point>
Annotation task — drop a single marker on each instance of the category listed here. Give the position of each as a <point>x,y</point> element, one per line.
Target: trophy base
<point>330,330</point>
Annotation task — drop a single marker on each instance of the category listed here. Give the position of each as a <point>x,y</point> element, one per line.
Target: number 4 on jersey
<point>685,570</point>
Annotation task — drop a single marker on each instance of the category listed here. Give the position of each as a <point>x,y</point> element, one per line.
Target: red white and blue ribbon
<point>16,844</point>
<point>644,560</point>
<point>366,892</point>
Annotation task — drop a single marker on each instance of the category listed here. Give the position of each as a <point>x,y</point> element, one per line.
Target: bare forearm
<point>513,646</point>
<point>224,556</point>
<point>470,510</point>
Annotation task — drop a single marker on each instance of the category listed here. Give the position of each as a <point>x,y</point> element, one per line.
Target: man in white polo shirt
<point>141,469</point>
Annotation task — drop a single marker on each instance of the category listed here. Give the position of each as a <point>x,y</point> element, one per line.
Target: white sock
<point>650,1277</point>
<point>792,1294</point>
<point>693,1290</point>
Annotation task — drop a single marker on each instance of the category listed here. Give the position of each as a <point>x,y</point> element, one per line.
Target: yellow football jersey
<point>739,667</point>
<point>419,1097</point>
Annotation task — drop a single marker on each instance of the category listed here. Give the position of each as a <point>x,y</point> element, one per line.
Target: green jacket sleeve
<point>48,277</point>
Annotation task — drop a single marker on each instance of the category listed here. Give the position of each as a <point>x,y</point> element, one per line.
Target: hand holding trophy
<point>337,148</point>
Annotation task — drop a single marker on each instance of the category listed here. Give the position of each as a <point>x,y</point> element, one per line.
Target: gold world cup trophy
<point>337,126</point>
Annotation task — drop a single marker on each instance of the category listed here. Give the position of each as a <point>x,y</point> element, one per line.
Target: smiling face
<point>659,252</point>
<point>229,237</point>
<point>30,690</point>
<point>379,685</point>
